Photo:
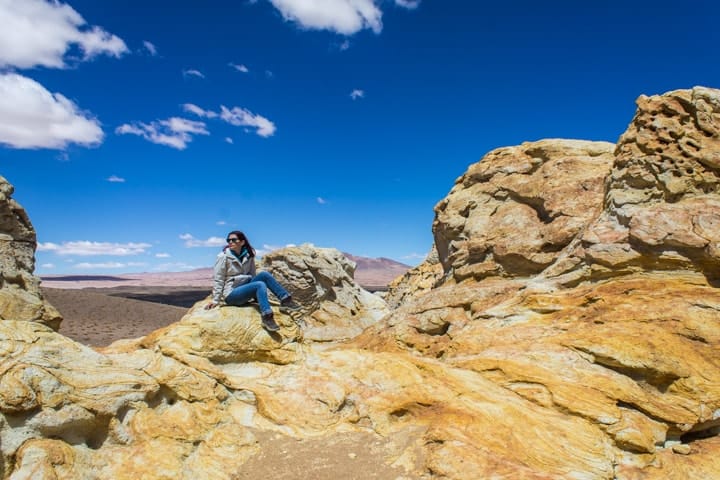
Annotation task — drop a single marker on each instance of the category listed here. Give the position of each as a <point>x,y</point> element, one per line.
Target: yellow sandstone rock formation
<point>569,328</point>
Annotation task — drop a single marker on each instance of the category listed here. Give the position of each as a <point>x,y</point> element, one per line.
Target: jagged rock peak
<point>20,296</point>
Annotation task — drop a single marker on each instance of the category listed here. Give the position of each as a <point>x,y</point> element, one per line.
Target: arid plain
<point>100,309</point>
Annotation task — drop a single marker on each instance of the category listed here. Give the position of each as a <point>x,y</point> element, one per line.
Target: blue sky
<point>138,133</point>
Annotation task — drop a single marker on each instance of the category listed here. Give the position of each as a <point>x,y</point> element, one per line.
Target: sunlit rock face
<point>515,211</point>
<point>591,351</point>
<point>321,279</point>
<point>20,296</point>
<point>662,207</point>
<point>416,281</point>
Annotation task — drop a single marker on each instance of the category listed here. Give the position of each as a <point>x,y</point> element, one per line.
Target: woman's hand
<point>210,305</point>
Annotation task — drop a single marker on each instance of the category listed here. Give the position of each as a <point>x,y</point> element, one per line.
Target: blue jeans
<point>257,288</point>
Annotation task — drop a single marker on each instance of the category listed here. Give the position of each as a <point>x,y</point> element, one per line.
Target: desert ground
<point>99,316</point>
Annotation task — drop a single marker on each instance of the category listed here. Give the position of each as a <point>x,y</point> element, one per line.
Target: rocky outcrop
<point>515,211</point>
<point>416,281</point>
<point>662,208</point>
<point>570,329</point>
<point>20,296</point>
<point>321,279</point>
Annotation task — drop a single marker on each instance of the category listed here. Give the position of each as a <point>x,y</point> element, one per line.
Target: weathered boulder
<point>662,204</point>
<point>226,334</point>
<point>514,212</point>
<point>321,279</point>
<point>20,296</point>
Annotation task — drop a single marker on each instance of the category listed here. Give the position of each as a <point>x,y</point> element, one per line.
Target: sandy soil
<point>100,316</point>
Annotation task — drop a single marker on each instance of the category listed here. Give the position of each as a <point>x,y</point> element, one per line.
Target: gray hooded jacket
<point>230,272</point>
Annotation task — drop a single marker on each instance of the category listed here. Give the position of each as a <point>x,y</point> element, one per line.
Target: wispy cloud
<point>152,50</point>
<point>40,33</point>
<point>229,140</point>
<point>174,132</point>
<point>237,116</point>
<point>409,4</point>
<point>48,266</point>
<point>32,117</point>
<point>88,248</point>
<point>342,16</point>
<point>344,45</point>
<point>239,67</point>
<point>241,117</point>
<point>321,201</point>
<point>194,109</point>
<point>221,222</point>
<point>193,73</point>
<point>355,94</point>
<point>115,179</point>
<point>415,256</point>
<point>162,255</point>
<point>175,267</point>
<point>192,242</point>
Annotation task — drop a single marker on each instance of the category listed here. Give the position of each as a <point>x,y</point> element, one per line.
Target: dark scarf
<point>243,253</point>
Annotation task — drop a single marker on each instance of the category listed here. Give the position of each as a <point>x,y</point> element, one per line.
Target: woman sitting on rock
<point>235,281</point>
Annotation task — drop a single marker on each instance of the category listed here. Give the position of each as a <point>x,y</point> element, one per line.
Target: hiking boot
<point>289,305</point>
<point>268,321</point>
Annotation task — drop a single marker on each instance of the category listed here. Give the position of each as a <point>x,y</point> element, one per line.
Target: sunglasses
<point>232,240</point>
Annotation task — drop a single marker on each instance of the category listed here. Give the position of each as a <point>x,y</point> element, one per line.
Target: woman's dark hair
<point>242,236</point>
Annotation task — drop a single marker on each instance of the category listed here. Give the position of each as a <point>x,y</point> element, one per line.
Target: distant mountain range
<point>371,273</point>
<point>376,272</point>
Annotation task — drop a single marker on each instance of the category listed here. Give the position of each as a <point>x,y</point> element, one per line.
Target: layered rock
<point>571,331</point>
<point>515,211</point>
<point>416,281</point>
<point>321,279</point>
<point>20,296</point>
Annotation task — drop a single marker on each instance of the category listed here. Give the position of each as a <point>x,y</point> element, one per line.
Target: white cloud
<point>87,248</point>
<point>152,49</point>
<point>355,94</point>
<point>115,179</point>
<point>344,45</point>
<point>192,242</point>
<point>162,255</point>
<point>242,117</point>
<point>239,68</point>
<point>342,16</point>
<point>40,33</point>
<point>32,117</point>
<point>321,201</point>
<point>229,140</point>
<point>221,222</point>
<point>48,266</point>
<point>237,116</point>
<point>410,4</point>
<point>174,132</point>
<point>193,73</point>
<point>194,109</point>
